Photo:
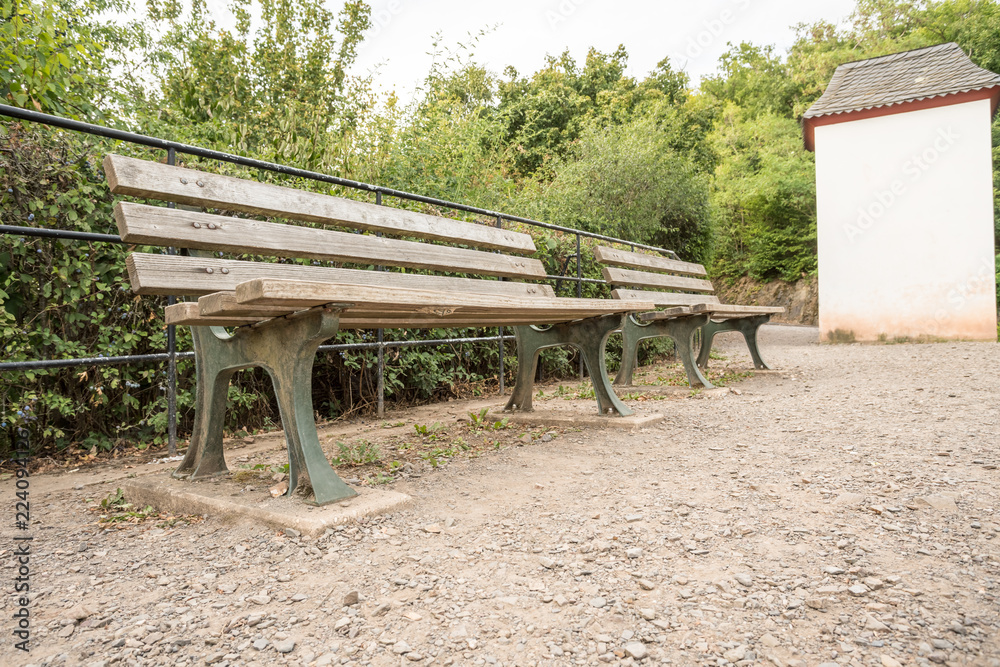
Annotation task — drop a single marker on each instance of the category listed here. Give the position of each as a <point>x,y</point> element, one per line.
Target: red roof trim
<point>809,125</point>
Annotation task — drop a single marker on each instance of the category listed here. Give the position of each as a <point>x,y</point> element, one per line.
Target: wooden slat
<point>155,225</point>
<point>189,276</point>
<point>731,310</point>
<point>661,299</point>
<point>141,178</point>
<point>295,294</point>
<point>635,260</point>
<point>630,278</point>
<point>188,314</point>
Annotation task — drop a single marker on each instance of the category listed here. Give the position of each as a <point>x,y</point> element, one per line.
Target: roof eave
<point>810,123</point>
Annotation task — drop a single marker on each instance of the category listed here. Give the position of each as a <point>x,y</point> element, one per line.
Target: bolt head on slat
<point>209,270</point>
<point>200,183</point>
<point>225,270</point>
<point>196,225</point>
<point>184,181</point>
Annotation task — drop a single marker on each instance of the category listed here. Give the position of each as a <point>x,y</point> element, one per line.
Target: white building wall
<point>905,214</point>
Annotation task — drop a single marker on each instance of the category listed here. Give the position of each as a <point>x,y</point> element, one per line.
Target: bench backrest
<point>629,270</point>
<point>488,251</point>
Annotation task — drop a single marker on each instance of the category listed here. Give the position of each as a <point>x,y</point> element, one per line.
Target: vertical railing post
<point>380,338</point>
<point>172,359</point>
<point>579,288</point>
<point>500,328</point>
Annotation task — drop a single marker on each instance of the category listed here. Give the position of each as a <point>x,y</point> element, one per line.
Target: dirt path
<point>841,512</point>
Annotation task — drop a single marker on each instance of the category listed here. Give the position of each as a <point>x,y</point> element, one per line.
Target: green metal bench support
<point>747,326</point>
<point>286,349</point>
<point>680,329</point>
<point>589,337</point>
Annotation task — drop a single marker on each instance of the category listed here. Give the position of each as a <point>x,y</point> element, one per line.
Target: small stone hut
<point>904,190</point>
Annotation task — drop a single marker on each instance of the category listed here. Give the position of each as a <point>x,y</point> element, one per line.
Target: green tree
<point>764,196</point>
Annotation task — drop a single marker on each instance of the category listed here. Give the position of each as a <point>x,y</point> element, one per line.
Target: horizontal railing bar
<point>89,361</point>
<point>60,234</point>
<point>48,364</point>
<point>165,144</point>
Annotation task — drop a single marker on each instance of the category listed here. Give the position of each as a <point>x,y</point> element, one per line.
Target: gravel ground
<point>840,512</point>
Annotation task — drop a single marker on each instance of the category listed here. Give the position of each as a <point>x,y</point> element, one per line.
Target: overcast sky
<point>693,33</point>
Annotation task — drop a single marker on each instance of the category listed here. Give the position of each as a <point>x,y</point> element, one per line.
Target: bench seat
<point>281,308</point>
<point>689,308</point>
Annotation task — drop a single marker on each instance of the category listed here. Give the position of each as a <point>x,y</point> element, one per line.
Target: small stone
<point>645,584</point>
<point>849,499</point>
<point>942,644</point>
<point>547,563</point>
<point>284,645</point>
<point>743,579</point>
<point>66,631</point>
<point>414,656</point>
<point>432,528</point>
<point>291,532</point>
<point>873,583</point>
<point>326,659</point>
<point>598,602</point>
<point>546,438</point>
<point>648,614</point>
<point>412,615</point>
<point>632,518</point>
<point>818,603</point>
<point>381,609</point>
<point>259,599</point>
<point>279,489</point>
<point>636,650</point>
<point>342,623</point>
<point>260,644</point>
<point>939,502</point>
<point>735,654</point>
<point>857,590</point>
<point>875,625</point>
<point>351,599</point>
<point>832,570</point>
<point>449,522</point>
<point>889,661</point>
<point>769,640</point>
<point>214,658</point>
<point>80,612</point>
<point>634,552</point>
<point>401,647</point>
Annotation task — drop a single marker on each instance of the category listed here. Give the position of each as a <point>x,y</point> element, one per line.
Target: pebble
<point>284,645</point>
<point>598,602</point>
<point>744,580</point>
<point>858,590</point>
<point>636,650</point>
<point>351,599</point>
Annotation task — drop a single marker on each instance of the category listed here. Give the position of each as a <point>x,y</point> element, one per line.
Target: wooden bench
<point>689,307</point>
<point>284,311</point>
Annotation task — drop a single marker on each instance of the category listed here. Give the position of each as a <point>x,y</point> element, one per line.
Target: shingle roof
<point>933,71</point>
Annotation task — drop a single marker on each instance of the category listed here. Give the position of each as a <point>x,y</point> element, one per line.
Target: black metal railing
<point>172,355</point>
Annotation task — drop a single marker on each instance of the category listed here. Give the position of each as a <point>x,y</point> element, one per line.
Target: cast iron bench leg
<point>747,326</point>
<point>588,336</point>
<point>681,330</point>
<point>286,349</point>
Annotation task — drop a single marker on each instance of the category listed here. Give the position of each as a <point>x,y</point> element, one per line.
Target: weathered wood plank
<point>196,276</point>
<point>733,310</point>
<point>630,278</point>
<point>188,314</point>
<point>295,294</point>
<point>155,225</point>
<point>635,260</point>
<point>142,178</point>
<point>664,298</point>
